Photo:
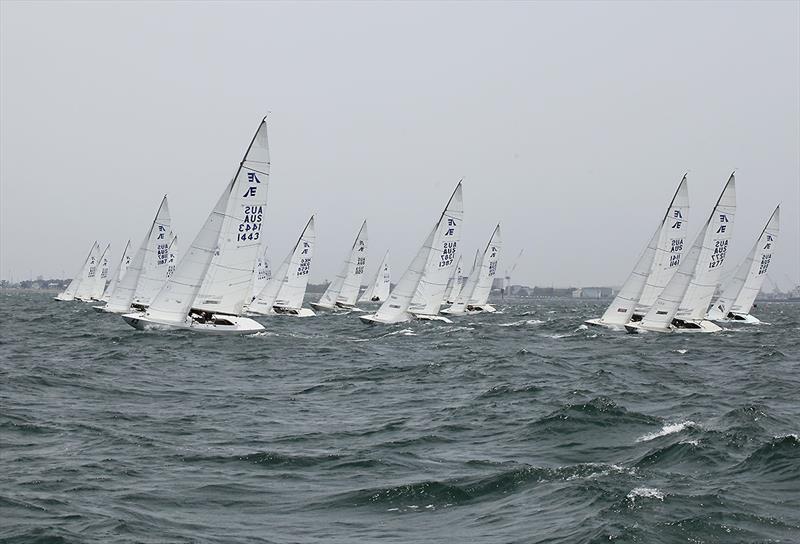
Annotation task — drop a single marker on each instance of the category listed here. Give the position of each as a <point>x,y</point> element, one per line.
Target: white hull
<point>61,297</point>
<point>688,327</point>
<point>744,319</point>
<point>223,324</point>
<point>373,318</point>
<point>600,323</point>
<point>292,312</point>
<point>322,307</point>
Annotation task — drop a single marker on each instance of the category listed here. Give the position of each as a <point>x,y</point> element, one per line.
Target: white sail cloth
<point>343,290</point>
<point>378,288</point>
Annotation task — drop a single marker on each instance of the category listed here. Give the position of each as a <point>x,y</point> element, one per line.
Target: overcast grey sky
<point>571,124</point>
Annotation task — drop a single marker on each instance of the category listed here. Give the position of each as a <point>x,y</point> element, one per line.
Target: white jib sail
<point>261,274</point>
<point>378,289</point>
<point>697,299</point>
<point>343,290</point>
<point>122,269</point>
<point>77,279</point>
<point>438,249</point>
<point>295,280</point>
<point>479,282</point>
<point>128,287</point>
<point>660,315</point>
<point>742,289</point>
<point>657,263</point>
<point>174,300</point>
<point>454,285</point>
<point>88,274</point>
<point>228,282</point>
<point>102,275</point>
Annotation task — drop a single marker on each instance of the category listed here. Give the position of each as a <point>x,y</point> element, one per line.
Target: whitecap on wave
<point>645,493</point>
<point>670,428</point>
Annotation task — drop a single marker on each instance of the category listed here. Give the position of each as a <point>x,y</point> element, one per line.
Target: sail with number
<point>656,265</point>
<point>426,276</point>
<point>89,275</point>
<point>214,274</point>
<point>455,283</point>
<point>287,287</point>
<point>740,292</point>
<point>343,290</point>
<point>122,269</point>
<point>378,289</point>
<point>148,269</point>
<point>102,274</point>
<point>475,293</point>
<point>172,260</point>
<point>83,274</point>
<point>261,274</point>
<point>706,254</point>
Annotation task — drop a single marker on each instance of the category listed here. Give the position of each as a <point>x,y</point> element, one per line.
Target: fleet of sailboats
<point>225,277</point>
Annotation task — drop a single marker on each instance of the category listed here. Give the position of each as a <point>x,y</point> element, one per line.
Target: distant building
<point>593,292</point>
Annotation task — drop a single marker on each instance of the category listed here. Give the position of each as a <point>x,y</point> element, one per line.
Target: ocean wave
<point>644,493</point>
<point>667,429</point>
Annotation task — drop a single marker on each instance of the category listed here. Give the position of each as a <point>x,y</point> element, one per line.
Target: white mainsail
<point>145,276</point>
<point>287,286</point>
<point>214,275</point>
<point>475,293</point>
<point>228,280</point>
<point>122,269</point>
<point>378,289</point>
<point>432,264</point>
<point>740,292</point>
<point>656,265</point>
<point>343,290</point>
<point>88,274</point>
<point>700,266</point>
<point>102,274</point>
<point>455,284</point>
<point>72,288</point>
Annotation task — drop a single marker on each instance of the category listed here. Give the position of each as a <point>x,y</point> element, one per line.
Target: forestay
<point>740,292</point>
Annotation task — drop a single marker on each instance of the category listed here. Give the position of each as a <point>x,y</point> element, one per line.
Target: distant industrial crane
<point>507,279</point>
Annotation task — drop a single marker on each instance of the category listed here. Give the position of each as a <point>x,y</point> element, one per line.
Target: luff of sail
<point>228,281</point>
<point>739,294</point>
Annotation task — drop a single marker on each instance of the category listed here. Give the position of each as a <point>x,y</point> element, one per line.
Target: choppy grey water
<point>514,427</point>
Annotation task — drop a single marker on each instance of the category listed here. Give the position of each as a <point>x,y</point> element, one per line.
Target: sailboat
<point>475,295</point>
<point>683,303</point>
<point>378,289</point>
<point>147,272</point>
<point>102,275</point>
<point>420,291</point>
<point>83,275</point>
<point>172,261</point>
<point>740,292</point>
<point>284,293</point>
<point>261,274</point>
<point>655,267</point>
<point>122,269</point>
<point>212,281</point>
<point>343,290</point>
<point>88,282</point>
<point>455,284</point>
